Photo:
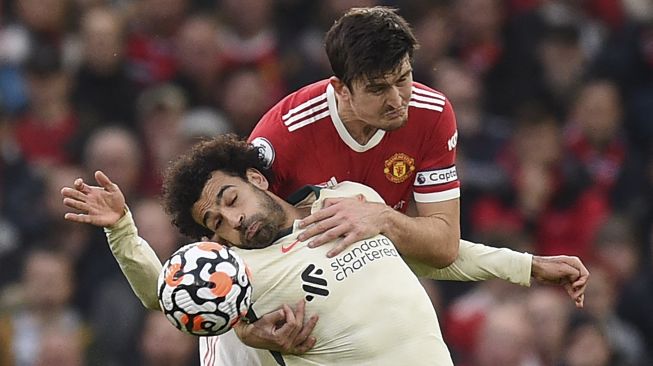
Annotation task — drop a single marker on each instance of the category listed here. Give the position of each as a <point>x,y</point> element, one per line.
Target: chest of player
<point>388,168</point>
<point>288,270</point>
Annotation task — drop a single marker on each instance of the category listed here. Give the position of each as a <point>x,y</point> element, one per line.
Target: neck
<point>357,128</point>
<point>293,213</point>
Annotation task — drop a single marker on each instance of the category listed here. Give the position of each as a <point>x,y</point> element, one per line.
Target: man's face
<point>383,102</point>
<point>238,212</point>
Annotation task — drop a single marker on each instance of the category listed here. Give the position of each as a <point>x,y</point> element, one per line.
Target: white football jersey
<point>372,308</point>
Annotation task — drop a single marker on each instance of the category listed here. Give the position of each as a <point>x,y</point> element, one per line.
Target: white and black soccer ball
<point>204,289</point>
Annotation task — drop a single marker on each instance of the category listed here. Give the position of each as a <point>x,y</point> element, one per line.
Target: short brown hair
<point>368,43</point>
<point>185,179</point>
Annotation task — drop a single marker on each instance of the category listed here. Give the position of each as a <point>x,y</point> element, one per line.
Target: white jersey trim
<point>305,113</point>
<point>342,130</point>
<point>422,98</point>
<point>429,93</point>
<point>427,99</point>
<point>432,107</point>
<point>308,121</point>
<point>304,105</point>
<point>437,196</point>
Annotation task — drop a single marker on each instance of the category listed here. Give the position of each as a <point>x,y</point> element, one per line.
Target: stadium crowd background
<point>553,99</point>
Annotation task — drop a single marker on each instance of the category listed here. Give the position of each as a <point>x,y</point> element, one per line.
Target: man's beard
<point>269,222</point>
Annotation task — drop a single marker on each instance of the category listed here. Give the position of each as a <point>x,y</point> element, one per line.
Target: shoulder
<point>296,109</point>
<point>428,99</point>
<point>350,189</point>
<point>430,110</point>
<point>278,131</point>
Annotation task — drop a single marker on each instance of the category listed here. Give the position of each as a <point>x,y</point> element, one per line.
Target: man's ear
<point>257,178</point>
<point>341,90</point>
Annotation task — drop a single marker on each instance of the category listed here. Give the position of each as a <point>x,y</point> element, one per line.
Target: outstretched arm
<point>478,262</point>
<point>104,206</point>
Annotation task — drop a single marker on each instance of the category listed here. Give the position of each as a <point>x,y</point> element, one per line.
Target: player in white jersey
<point>222,212</point>
<point>374,310</point>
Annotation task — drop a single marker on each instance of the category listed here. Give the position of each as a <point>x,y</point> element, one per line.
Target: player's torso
<point>322,151</point>
<point>361,296</point>
<point>388,167</point>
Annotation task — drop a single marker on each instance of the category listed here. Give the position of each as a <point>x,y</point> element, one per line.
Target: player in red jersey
<point>371,123</point>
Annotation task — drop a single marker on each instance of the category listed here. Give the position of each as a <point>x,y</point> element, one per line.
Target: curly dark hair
<point>368,43</point>
<point>186,177</point>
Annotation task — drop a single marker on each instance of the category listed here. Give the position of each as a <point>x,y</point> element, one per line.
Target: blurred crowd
<point>553,99</point>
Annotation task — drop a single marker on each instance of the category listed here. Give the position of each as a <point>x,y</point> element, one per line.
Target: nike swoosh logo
<point>289,247</point>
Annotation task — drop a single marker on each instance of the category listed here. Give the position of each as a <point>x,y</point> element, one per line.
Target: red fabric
<point>569,230</point>
<point>315,152</point>
<point>483,57</point>
<point>604,166</point>
<point>45,142</point>
<point>610,12</point>
<point>462,331</point>
<point>151,59</point>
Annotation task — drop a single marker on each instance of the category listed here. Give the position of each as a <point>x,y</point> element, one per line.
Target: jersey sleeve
<point>136,259</point>
<point>436,178</point>
<point>478,262</point>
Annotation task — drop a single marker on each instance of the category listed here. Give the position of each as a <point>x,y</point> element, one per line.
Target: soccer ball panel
<point>204,289</point>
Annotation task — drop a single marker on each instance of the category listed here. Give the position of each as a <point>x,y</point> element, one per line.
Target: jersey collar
<point>303,197</point>
<point>342,130</point>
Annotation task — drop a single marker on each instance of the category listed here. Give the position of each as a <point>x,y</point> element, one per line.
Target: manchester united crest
<point>399,167</point>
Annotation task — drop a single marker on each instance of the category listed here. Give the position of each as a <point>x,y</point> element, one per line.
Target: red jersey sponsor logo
<point>399,167</point>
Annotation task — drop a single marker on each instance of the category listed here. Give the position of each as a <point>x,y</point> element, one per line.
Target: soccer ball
<point>204,289</point>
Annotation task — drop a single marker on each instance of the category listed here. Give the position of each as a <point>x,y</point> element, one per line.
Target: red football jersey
<point>306,143</point>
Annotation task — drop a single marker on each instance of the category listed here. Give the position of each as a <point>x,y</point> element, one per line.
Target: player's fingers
<point>105,182</point>
<point>77,205</point>
<point>584,276</point>
<point>79,185</point>
<point>330,202</point>
<point>305,346</point>
<point>291,321</point>
<point>73,193</point>
<point>80,218</point>
<point>320,227</point>
<point>299,312</point>
<point>317,216</point>
<point>330,235</point>
<point>303,336</point>
<point>274,317</point>
<point>343,244</point>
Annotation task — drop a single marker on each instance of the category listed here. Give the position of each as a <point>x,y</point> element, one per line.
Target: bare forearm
<point>432,240</point>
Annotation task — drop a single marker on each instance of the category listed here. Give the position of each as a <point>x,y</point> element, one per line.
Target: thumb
<point>105,182</point>
<point>275,317</point>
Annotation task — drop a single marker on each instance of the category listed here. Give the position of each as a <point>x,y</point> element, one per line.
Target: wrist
<point>387,224</point>
<point>536,266</point>
<point>240,328</point>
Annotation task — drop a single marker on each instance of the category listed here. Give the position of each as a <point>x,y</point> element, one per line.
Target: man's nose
<point>394,97</point>
<point>235,220</point>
